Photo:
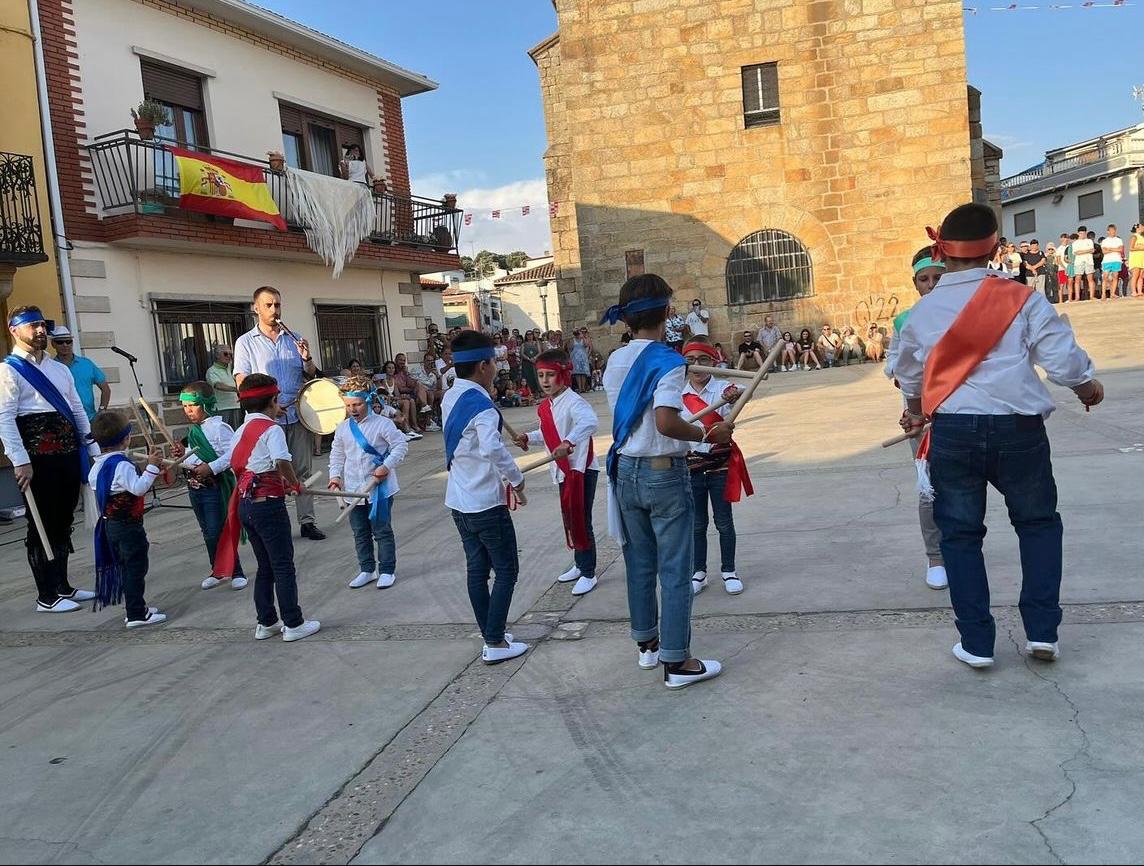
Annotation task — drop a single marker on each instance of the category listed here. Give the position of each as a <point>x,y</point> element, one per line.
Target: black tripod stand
<point>156,500</point>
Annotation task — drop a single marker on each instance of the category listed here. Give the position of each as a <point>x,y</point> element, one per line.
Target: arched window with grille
<point>768,265</point>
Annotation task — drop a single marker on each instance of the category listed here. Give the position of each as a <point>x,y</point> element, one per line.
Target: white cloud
<point>511,232</point>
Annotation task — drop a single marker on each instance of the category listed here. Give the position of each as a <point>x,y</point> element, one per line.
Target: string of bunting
<point>507,213</point>
<point>1053,7</point>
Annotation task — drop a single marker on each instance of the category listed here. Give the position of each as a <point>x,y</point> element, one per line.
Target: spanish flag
<point>211,184</point>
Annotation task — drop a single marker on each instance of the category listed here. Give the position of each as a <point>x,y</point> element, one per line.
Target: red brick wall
<point>395,154</point>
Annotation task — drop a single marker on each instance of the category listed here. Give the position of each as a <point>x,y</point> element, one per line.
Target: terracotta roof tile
<point>531,275</point>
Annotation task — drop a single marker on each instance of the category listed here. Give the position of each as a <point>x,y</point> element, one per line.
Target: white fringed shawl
<point>336,214</point>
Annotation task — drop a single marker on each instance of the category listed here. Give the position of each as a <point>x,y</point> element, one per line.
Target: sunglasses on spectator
<point>62,342</point>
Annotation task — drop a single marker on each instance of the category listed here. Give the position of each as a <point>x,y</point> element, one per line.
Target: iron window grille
<point>768,265</point>
<point>186,333</point>
<point>350,331</point>
<point>761,95</point>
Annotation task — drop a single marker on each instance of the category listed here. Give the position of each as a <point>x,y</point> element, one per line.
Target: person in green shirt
<point>221,380</point>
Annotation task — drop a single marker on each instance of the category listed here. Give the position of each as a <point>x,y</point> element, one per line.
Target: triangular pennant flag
<point>524,211</point>
<point>495,215</point>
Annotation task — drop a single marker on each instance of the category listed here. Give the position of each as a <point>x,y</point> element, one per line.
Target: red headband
<point>264,391</point>
<point>562,369</point>
<point>976,249</point>
<point>701,348</point>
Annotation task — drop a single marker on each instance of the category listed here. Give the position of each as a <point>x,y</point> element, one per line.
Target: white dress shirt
<point>576,422</point>
<point>645,440</point>
<point>349,462</point>
<point>220,435</point>
<point>127,478</point>
<point>17,398</point>
<point>254,352</point>
<point>481,463</point>
<point>1005,383</point>
<point>268,450</point>
<point>711,392</point>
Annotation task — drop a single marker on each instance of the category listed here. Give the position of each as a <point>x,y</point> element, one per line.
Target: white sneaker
<point>970,659</point>
<point>237,583</point>
<point>413,436</point>
<point>81,595</point>
<point>153,618</point>
<point>698,582</point>
<point>585,585</point>
<point>731,583</point>
<point>1043,650</point>
<point>432,427</point>
<point>210,582</point>
<point>306,629</point>
<point>425,409</point>
<point>267,631</point>
<point>60,605</point>
<point>362,579</point>
<point>385,581</point>
<point>682,679</point>
<point>494,655</point>
<point>649,659</point>
<point>570,575</point>
<point>936,577</point>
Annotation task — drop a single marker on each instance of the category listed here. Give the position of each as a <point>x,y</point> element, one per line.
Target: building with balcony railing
<point>239,83</point>
<point>1095,182</point>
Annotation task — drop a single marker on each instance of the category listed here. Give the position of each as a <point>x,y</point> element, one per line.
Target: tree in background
<point>485,263</point>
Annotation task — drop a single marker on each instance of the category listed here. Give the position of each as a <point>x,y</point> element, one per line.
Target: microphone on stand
<point>126,355</point>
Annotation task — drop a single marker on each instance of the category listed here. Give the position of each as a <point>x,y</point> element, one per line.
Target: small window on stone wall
<point>761,95</point>
<point>768,265</point>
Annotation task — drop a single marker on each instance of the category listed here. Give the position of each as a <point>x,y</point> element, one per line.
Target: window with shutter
<point>182,93</point>
<point>316,142</point>
<point>761,94</point>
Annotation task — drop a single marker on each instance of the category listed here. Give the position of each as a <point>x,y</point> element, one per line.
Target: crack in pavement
<point>1081,751</point>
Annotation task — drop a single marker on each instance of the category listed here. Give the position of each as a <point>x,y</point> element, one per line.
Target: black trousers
<point>56,486</point>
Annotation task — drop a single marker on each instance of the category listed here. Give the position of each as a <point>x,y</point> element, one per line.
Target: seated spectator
<point>806,350</point>
<point>722,361</point>
<point>875,343</point>
<point>353,367</point>
<point>390,394</point>
<point>828,344</point>
<point>750,350</point>
<point>507,395</point>
<point>851,347</point>
<point>769,335</point>
<point>409,387</point>
<point>526,396</point>
<point>597,362</point>
<point>427,377</point>
<point>789,357</point>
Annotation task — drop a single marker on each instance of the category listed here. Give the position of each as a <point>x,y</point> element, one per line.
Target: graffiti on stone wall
<point>876,310</point>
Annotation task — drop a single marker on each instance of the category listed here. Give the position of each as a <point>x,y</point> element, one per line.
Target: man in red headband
<point>718,472</point>
<point>965,364</point>
<point>567,423</point>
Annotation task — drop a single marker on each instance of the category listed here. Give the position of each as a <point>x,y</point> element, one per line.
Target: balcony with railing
<point>1100,158</point>
<point>21,233</point>
<point>135,176</point>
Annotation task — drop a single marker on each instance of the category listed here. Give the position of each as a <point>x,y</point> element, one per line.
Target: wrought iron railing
<point>1097,153</point>
<point>21,233</point>
<point>133,175</point>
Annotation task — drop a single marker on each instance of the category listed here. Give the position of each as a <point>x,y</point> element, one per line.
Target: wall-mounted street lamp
<point>542,287</point>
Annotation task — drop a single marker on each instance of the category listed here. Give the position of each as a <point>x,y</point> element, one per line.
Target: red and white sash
<point>738,478</point>
<point>572,492</point>
<point>226,552</point>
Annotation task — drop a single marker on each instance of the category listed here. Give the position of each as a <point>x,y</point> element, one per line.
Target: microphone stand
<point>156,501</point>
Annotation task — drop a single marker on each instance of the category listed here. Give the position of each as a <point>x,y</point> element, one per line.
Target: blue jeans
<point>586,559</point>
<point>211,517</point>
<point>657,508</point>
<point>710,485</point>
<point>128,540</point>
<point>1011,452</point>
<point>268,527</point>
<point>366,534</point>
<point>489,539</point>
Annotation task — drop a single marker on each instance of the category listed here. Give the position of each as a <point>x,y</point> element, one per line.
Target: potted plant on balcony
<point>277,160</point>
<point>379,186</point>
<point>152,201</point>
<point>147,116</point>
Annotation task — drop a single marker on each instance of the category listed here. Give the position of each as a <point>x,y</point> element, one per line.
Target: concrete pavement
<point>842,730</point>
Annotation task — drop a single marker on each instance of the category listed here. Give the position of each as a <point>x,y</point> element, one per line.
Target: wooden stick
<point>30,498</point>
<point>143,428</point>
<point>749,391</point>
<point>349,494</point>
<point>507,428</point>
<point>905,437</point>
<point>723,373</point>
<point>159,425</point>
<point>365,493</point>
<point>714,407</point>
<point>166,462</point>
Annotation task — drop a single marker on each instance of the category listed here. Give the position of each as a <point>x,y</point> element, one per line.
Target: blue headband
<point>471,356</point>
<point>28,317</point>
<point>362,395</point>
<point>641,305</point>
<point>117,438</point>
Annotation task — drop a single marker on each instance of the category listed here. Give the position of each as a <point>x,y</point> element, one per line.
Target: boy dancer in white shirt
<point>478,466</point>
<point>365,453</point>
<point>567,424</point>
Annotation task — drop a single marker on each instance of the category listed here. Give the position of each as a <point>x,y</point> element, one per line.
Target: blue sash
<point>468,406</point>
<point>108,580</point>
<point>378,501</point>
<point>43,385</point>
<point>653,363</point>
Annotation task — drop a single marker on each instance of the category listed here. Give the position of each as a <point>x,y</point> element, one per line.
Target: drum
<point>320,406</point>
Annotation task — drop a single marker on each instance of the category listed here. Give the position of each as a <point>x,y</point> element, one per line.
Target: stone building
<point>763,156</point>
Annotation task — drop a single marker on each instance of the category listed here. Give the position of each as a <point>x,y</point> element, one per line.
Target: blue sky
<point>482,133</point>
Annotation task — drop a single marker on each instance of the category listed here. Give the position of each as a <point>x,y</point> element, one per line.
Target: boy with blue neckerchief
<point>365,453</point>
<point>650,481</point>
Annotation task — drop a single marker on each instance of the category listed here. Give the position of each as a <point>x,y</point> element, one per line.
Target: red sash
<point>738,479</point>
<point>572,492</point>
<point>226,552</point>
<point>975,332</point>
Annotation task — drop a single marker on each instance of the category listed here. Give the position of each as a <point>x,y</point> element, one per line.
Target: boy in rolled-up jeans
<point>966,362</point>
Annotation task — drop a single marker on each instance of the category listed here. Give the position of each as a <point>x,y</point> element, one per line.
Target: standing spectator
<point>1136,260</point>
<point>445,370</point>
<point>353,166</point>
<point>1034,262</point>
<point>268,349</point>
<point>789,356</point>
<point>1113,263</point>
<point>1012,261</point>
<point>221,379</point>
<point>698,319</point>
<point>806,350</point>
<point>528,354</point>
<point>512,343</point>
<point>1063,287</point>
<point>1084,266</point>
<point>749,350</point>
<point>501,354</point>
<point>85,372</point>
<point>673,335</point>
<point>436,341</point>
<point>581,360</point>
<point>851,347</point>
<point>828,344</point>
<point>1072,288</point>
<point>1052,286</point>
<point>875,343</point>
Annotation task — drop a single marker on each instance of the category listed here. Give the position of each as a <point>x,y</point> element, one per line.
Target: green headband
<point>196,399</point>
<point>927,262</point>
